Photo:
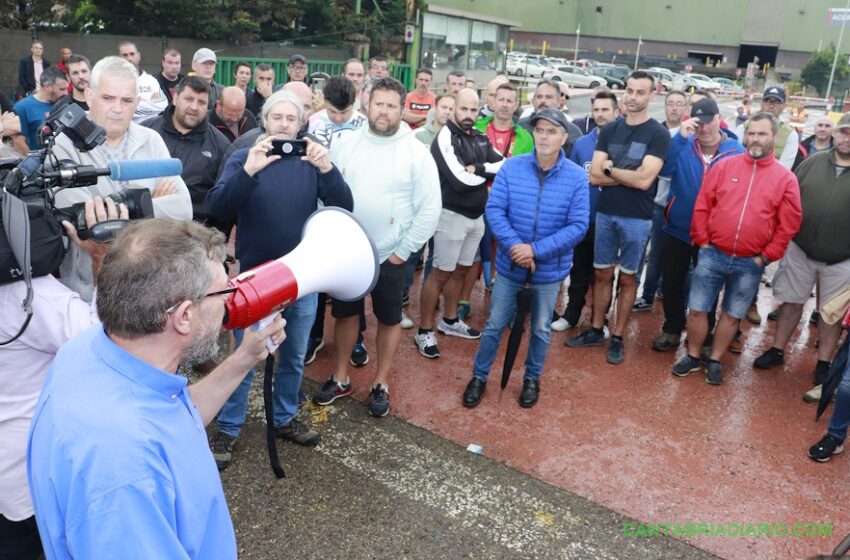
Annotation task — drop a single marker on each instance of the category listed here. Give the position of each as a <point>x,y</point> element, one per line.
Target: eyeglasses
<point>773,101</point>
<point>225,291</point>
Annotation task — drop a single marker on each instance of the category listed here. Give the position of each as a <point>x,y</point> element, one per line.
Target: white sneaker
<point>458,329</point>
<point>560,325</point>
<point>427,344</point>
<point>406,322</point>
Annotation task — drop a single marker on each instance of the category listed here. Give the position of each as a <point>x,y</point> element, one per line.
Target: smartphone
<point>318,85</point>
<point>288,148</point>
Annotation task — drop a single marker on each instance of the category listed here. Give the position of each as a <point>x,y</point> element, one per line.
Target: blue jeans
<point>739,277</point>
<point>840,418</point>
<point>653,264</point>
<point>502,308</point>
<point>620,240</point>
<point>288,371</point>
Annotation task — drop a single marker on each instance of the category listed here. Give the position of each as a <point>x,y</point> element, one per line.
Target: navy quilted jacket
<point>549,210</point>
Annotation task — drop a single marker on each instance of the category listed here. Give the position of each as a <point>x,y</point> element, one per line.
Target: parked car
<point>666,85</point>
<point>614,77</point>
<point>573,76</point>
<point>524,67</point>
<point>728,85</point>
<point>555,61</point>
<point>693,82</point>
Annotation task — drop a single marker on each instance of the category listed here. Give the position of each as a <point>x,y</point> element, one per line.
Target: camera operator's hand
<point>253,348</point>
<point>317,156</point>
<point>97,210</point>
<point>258,158</point>
<point>164,187</point>
<point>10,124</point>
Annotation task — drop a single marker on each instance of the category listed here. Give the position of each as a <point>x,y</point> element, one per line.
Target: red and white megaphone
<point>335,256</point>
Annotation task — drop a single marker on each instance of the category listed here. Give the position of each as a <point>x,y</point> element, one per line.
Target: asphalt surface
<point>382,488</point>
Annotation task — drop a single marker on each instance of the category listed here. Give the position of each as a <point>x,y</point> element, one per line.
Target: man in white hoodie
<point>396,191</point>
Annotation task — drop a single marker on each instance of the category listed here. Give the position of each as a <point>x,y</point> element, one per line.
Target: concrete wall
<point>15,45</point>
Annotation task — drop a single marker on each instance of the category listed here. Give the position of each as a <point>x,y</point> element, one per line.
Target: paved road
<point>386,489</point>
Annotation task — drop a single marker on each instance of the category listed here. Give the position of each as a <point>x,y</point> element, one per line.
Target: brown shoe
<point>753,315</point>
<point>736,346</point>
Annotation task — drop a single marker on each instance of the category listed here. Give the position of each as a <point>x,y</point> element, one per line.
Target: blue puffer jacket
<point>551,211</point>
<point>686,167</point>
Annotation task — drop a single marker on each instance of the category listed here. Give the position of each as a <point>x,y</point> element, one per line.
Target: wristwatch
<point>607,169</point>
<point>763,260</point>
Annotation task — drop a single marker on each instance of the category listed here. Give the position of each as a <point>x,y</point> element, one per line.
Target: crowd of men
<point>438,177</point>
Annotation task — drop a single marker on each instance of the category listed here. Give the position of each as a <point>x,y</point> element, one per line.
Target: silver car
<point>574,76</point>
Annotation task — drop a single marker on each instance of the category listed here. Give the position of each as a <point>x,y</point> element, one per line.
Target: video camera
<point>31,183</point>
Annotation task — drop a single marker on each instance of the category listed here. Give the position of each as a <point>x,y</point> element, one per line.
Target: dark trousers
<point>19,540</point>
<point>678,259</point>
<point>581,276</point>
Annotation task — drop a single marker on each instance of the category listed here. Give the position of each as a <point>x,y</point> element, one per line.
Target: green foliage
<point>321,22</point>
<point>816,71</point>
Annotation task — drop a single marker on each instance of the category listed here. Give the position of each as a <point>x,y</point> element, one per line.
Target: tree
<point>816,71</point>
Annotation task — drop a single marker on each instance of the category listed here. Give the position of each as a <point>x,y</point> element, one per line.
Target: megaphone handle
<point>263,323</point>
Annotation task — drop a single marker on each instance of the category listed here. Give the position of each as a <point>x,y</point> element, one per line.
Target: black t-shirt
<point>626,146</point>
<point>168,86</point>
<point>66,99</point>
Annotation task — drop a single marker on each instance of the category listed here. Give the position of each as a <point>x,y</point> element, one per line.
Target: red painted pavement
<point>637,439</point>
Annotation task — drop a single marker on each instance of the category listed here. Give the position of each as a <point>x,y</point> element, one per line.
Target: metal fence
<point>225,69</point>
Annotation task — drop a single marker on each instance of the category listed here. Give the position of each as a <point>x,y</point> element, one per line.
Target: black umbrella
<point>833,378</point>
<point>523,301</point>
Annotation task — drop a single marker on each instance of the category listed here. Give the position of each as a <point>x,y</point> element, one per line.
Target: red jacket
<point>747,207</point>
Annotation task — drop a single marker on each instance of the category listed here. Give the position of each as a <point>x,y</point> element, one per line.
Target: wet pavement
<point>554,481</point>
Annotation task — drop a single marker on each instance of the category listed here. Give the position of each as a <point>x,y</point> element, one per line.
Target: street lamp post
<point>578,34</point>
<point>837,51</point>
<point>640,42</point>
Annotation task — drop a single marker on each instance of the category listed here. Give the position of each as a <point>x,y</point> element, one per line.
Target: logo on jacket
<point>206,154</point>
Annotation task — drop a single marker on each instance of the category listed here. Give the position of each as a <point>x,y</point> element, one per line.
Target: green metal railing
<point>226,66</point>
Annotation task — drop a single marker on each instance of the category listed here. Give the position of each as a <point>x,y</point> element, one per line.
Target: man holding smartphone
<point>271,196</point>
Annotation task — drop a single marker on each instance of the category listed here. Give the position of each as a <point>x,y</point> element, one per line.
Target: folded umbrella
<point>523,302</point>
<point>834,377</point>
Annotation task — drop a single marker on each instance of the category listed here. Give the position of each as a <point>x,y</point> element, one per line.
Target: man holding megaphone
<point>270,197</point>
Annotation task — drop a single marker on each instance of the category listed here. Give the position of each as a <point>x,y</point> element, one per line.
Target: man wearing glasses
<point>118,458</point>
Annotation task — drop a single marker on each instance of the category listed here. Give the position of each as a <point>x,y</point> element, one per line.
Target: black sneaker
<point>221,446</point>
<point>642,305</point>
<point>379,401</point>
<point>313,346</point>
<point>359,355</point>
<point>814,318</point>
<point>774,315</point>
<point>587,338</point>
<point>686,365</point>
<point>828,446</point>
<point>330,391</point>
<point>298,432</point>
<point>771,358</point>
<point>616,353</point>
<point>713,373</point>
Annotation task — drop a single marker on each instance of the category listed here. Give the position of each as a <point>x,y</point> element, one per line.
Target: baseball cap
<point>774,91</point>
<point>297,58</point>
<point>204,55</point>
<point>704,110</point>
<point>843,122</point>
<point>554,116</point>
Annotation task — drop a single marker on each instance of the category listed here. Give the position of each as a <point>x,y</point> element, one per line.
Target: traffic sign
<point>408,33</point>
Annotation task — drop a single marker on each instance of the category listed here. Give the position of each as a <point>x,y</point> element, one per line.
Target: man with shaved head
<point>230,115</point>
<point>489,108</point>
<point>466,161</point>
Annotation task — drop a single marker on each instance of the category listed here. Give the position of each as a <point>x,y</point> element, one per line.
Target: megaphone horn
<point>335,256</point>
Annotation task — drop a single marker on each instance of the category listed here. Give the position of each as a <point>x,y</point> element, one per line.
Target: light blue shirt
<point>118,461</point>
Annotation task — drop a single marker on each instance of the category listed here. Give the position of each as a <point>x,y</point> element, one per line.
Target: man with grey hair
<point>112,99</point>
<point>271,198</point>
<point>116,429</point>
<point>204,62</point>
<point>32,110</point>
<point>547,95</point>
